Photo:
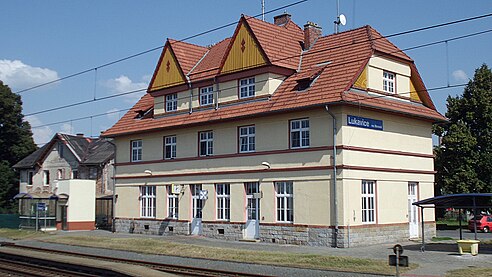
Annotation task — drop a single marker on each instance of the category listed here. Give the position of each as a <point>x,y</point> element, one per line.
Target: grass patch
<point>442,238</point>
<point>471,271</point>
<point>160,247</point>
<point>17,234</point>
<point>452,222</point>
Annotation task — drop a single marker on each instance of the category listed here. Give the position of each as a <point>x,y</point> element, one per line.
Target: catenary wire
<point>233,23</point>
<point>154,49</point>
<point>187,97</point>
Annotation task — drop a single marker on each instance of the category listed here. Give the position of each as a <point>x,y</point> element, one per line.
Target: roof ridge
<point>173,41</point>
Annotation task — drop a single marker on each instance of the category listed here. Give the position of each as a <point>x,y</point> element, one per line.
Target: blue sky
<point>45,40</point>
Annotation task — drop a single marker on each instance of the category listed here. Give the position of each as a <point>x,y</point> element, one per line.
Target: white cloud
<point>67,129</point>
<point>124,84</point>
<point>460,76</point>
<point>18,75</point>
<point>41,135</point>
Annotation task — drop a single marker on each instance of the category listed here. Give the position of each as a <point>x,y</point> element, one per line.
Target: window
<point>206,96</point>
<point>136,150</point>
<point>247,139</point>
<point>147,201</point>
<point>197,201</point>
<point>172,203</point>
<point>368,202</point>
<point>285,201</point>
<point>388,82</point>
<point>46,177</point>
<point>60,150</point>
<point>247,88</point>
<point>299,133</point>
<point>170,147</point>
<point>171,102</point>
<point>93,173</point>
<point>30,176</point>
<point>59,174</point>
<point>75,174</point>
<point>206,143</point>
<point>223,201</point>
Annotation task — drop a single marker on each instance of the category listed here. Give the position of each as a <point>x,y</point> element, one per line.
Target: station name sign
<point>363,122</point>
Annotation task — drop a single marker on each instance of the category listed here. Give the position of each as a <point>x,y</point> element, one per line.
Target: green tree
<point>464,158</point>
<point>16,143</point>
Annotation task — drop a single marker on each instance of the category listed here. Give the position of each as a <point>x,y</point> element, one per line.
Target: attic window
<point>303,84</point>
<point>142,114</point>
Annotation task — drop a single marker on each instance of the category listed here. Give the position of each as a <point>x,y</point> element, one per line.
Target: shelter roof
<point>464,200</point>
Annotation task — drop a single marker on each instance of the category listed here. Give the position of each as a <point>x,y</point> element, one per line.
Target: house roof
<point>333,63</point>
<point>88,151</point>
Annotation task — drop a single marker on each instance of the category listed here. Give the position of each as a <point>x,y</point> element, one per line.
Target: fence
<point>9,221</point>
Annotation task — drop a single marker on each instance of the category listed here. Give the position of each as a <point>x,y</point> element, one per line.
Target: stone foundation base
<point>280,234</point>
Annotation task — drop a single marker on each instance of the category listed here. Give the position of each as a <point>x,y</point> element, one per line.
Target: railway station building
<point>279,134</point>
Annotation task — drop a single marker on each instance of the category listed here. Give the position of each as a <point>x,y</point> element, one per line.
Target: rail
<point>169,268</point>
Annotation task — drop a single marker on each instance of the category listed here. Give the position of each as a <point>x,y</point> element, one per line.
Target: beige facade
<point>392,157</point>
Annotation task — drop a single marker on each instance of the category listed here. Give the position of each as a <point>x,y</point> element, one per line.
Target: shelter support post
<point>422,249</point>
<point>459,219</point>
<point>475,216</point>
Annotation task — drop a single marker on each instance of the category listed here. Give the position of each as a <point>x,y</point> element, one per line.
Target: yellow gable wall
<point>413,92</point>
<point>168,72</point>
<point>362,80</point>
<point>245,53</point>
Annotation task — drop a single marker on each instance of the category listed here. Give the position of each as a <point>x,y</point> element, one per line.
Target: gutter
<point>335,196</point>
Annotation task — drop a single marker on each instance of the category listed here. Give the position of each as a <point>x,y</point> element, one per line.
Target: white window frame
<point>147,201</point>
<point>247,88</point>
<point>223,194</point>
<point>207,96</point>
<point>284,194</point>
<point>75,174</point>
<point>172,204</point>
<point>247,139</point>
<point>59,174</point>
<point>30,177</point>
<point>206,143</point>
<point>389,82</point>
<point>368,205</point>
<point>299,128</point>
<point>170,142</point>
<point>172,102</point>
<point>136,150</point>
<point>46,177</point>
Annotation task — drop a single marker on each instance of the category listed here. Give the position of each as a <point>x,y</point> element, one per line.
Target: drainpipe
<point>335,198</point>
<point>191,95</point>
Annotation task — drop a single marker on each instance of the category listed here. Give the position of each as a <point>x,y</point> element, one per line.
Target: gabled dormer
<point>244,51</point>
<point>168,72</point>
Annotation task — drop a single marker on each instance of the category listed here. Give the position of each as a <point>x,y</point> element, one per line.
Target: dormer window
<point>388,82</point>
<point>171,102</point>
<point>207,96</point>
<point>247,88</point>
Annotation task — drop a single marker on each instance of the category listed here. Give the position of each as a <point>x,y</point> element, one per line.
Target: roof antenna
<point>263,10</point>
<point>341,19</point>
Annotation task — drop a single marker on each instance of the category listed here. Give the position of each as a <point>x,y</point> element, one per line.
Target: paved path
<point>435,261</point>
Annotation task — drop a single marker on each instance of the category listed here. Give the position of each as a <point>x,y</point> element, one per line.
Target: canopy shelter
<point>458,201</point>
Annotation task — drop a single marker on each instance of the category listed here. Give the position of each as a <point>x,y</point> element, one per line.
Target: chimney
<point>282,19</point>
<point>311,33</point>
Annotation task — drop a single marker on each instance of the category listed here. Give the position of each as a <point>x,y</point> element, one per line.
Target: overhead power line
<point>154,49</point>
<point>309,53</point>
<point>231,24</point>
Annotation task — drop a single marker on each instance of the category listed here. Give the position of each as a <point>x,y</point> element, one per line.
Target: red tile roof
<point>187,54</point>
<point>341,58</point>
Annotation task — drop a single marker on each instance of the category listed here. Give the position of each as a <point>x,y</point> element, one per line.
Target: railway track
<point>168,268</point>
